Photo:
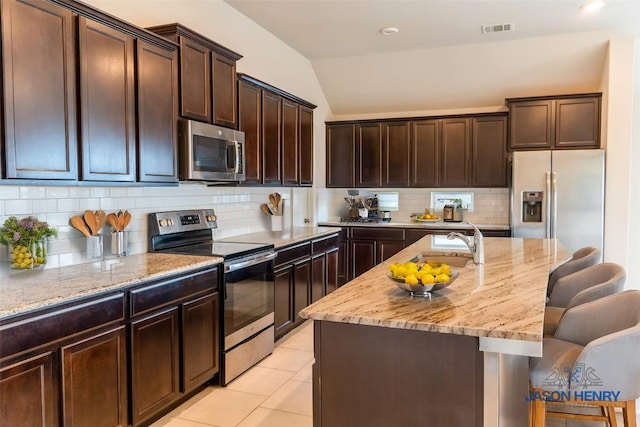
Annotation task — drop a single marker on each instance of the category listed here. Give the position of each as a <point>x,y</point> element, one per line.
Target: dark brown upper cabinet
<point>368,155</point>
<point>278,130</point>
<point>157,77</point>
<point>290,142</point>
<point>249,115</point>
<point>207,76</point>
<point>425,153</point>
<point>396,149</point>
<point>271,138</point>
<point>306,146</point>
<point>559,122</point>
<point>455,153</point>
<point>107,100</point>
<point>341,139</point>
<point>489,151</point>
<point>39,99</point>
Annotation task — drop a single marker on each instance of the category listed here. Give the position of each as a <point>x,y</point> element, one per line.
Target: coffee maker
<point>371,203</point>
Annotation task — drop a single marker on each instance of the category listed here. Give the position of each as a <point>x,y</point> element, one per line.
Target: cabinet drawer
<point>173,290</point>
<point>292,253</point>
<point>19,336</point>
<point>319,246</point>
<point>377,233</point>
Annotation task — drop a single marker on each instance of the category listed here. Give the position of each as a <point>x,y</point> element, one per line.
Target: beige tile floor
<point>274,393</point>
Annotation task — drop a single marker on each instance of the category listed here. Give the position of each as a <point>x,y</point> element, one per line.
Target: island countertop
<point>503,299</point>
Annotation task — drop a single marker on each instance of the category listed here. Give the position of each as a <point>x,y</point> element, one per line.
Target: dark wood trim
<point>87,11</point>
<point>181,30</point>
<point>267,86</point>
<point>410,119</point>
<point>552,97</point>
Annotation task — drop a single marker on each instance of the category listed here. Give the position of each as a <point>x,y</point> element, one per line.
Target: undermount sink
<point>454,260</point>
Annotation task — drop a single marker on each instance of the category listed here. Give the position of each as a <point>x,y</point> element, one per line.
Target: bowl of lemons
<point>421,278</point>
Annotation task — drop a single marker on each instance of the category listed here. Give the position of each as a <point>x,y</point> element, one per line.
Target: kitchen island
<point>458,358</point>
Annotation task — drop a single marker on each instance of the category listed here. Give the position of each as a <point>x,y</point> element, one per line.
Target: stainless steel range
<point>248,283</point>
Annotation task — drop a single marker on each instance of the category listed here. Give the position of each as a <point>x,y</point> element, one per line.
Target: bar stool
<point>581,287</point>
<point>591,361</point>
<point>581,259</point>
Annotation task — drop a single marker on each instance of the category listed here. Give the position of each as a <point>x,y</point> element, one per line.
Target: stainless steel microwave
<point>210,153</point>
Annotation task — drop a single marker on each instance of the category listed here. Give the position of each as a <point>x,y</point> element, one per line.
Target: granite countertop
<point>504,298</point>
<point>23,291</point>
<point>420,225</point>
<point>280,239</point>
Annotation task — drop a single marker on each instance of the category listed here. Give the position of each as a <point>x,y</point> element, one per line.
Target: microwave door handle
<point>236,168</point>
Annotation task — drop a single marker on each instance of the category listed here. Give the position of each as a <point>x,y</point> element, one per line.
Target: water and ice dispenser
<point>532,206</point>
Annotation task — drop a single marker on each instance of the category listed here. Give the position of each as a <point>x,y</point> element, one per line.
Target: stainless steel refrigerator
<point>559,194</point>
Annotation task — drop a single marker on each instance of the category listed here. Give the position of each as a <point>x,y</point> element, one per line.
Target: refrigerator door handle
<point>554,192</point>
<point>547,220</point>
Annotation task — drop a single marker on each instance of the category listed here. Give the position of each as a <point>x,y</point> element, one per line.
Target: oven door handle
<point>228,268</point>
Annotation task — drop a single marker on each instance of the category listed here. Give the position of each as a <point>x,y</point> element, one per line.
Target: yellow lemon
<point>444,269</point>
<point>411,280</point>
<point>401,271</point>
<point>427,279</point>
<point>442,278</point>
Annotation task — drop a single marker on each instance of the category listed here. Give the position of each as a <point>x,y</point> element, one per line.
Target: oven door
<point>248,299</point>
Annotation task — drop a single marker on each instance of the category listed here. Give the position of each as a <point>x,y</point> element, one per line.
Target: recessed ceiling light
<point>389,31</point>
<point>592,6</point>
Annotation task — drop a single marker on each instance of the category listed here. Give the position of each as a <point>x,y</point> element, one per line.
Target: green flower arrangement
<point>26,237</point>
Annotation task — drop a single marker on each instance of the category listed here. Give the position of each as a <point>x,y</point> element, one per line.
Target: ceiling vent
<point>497,28</point>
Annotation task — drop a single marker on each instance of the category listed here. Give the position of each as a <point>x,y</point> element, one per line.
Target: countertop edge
<point>421,226</point>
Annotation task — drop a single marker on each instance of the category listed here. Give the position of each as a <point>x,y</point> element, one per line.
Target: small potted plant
<point>26,239</point>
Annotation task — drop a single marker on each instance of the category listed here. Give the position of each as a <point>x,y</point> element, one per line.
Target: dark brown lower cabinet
<point>304,273</point>
<point>94,380</point>
<point>449,386</point>
<point>200,355</point>
<point>364,256</point>
<point>154,363</point>
<point>370,246</point>
<point>28,395</point>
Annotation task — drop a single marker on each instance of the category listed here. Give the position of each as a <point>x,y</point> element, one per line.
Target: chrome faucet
<point>475,245</point>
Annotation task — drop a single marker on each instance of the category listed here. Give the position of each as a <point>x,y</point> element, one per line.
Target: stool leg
<point>629,413</point>
<point>611,414</point>
<point>539,413</point>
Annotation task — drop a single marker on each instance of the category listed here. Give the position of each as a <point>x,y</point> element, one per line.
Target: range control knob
<point>170,221</point>
<point>210,218</point>
<point>163,223</point>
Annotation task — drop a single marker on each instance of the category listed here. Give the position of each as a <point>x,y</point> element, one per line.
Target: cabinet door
<point>318,277</point>
<point>368,155</point>
<point>28,395</point>
<point>39,70</point>
<point>395,154</point>
<point>290,143</point>
<point>331,272</point>
<point>306,146</point>
<point>195,81</point>
<point>271,138</point>
<point>200,346</point>
<point>341,155</point>
<point>455,149</point>
<point>94,381</point>
<point>154,363</point>
<point>489,152</point>
<point>283,300</point>
<point>387,248</point>
<point>344,265</point>
<point>107,103</point>
<point>302,286</point>
<point>157,77</point>
<point>425,153</point>
<point>249,116</point>
<point>577,123</point>
<point>413,235</point>
<point>363,254</point>
<point>531,124</point>
<point>224,90</point>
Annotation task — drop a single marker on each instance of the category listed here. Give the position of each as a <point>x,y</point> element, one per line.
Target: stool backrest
<point>581,259</point>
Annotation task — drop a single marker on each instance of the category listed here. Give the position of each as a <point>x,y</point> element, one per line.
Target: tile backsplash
<point>490,205</point>
<point>237,208</point>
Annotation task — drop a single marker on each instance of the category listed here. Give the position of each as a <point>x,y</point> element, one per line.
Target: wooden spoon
<point>78,223</point>
<point>126,219</point>
<point>112,219</point>
<point>101,217</point>
<point>265,209</point>
<point>272,199</point>
<point>92,222</point>
<point>278,198</point>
